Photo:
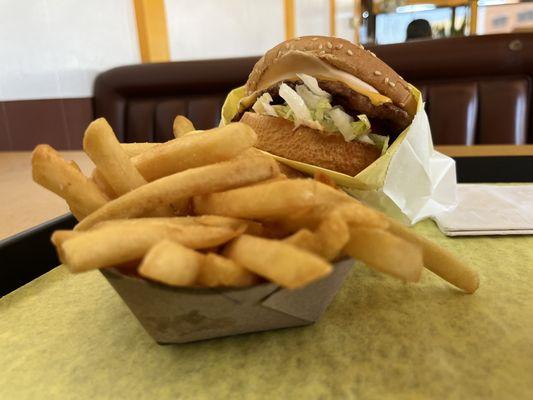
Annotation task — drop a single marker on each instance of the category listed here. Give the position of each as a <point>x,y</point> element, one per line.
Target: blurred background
<point>51,51</point>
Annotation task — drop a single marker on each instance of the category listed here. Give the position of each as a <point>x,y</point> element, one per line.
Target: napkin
<point>489,210</point>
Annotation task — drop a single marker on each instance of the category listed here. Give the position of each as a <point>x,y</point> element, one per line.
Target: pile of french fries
<point>206,209</point>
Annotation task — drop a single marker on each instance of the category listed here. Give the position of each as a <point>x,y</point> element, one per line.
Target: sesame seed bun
<point>279,137</point>
<point>345,56</point>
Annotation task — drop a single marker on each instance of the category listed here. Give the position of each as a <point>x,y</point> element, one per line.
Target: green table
<point>70,336</point>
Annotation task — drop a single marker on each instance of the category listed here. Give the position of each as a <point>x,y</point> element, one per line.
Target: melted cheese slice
<point>286,68</point>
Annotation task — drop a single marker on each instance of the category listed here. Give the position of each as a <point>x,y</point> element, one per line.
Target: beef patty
<point>387,119</point>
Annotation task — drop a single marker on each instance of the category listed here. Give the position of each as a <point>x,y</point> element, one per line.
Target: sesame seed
<point>377,73</point>
<point>322,53</point>
<point>287,45</point>
<point>329,45</point>
<point>298,38</point>
<point>315,38</point>
<point>320,47</point>
<point>279,53</point>
<point>350,53</point>
<point>386,80</point>
<point>392,84</point>
<point>361,46</point>
<point>339,46</point>
<point>372,54</point>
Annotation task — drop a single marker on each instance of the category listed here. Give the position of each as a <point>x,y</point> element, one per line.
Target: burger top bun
<point>345,56</point>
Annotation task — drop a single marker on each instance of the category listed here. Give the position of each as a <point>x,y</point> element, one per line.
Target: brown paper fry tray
<point>182,315</point>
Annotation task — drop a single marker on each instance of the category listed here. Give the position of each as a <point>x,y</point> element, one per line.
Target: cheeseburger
<point>325,101</point>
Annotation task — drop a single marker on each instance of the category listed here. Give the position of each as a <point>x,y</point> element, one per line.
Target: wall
<point>50,52</point>
<point>206,29</point>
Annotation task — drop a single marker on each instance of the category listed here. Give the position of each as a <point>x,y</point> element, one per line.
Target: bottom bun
<point>327,150</point>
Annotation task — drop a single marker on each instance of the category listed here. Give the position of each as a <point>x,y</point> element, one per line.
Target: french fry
<point>282,263</point>
<point>332,234</point>
<point>184,185</point>
<point>200,220</point>
<point>195,150</point>
<point>325,179</point>
<point>117,243</point>
<point>329,238</point>
<point>74,164</point>
<point>263,201</point>
<point>440,261</point>
<point>50,170</point>
<point>181,126</point>
<point>59,237</point>
<point>326,200</point>
<point>386,253</point>
<point>134,149</point>
<point>171,263</point>
<point>102,184</point>
<point>102,146</point>
<point>217,270</point>
<point>304,239</point>
<point>77,213</point>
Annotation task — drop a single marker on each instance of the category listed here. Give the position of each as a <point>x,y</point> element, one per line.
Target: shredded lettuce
<point>302,115</point>
<point>312,84</point>
<point>380,141</point>
<point>309,105</point>
<point>262,105</point>
<point>343,122</point>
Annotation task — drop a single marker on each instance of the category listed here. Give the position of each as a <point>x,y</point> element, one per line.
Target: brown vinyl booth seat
<point>477,89</point>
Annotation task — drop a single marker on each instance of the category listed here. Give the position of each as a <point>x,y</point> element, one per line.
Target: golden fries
<point>386,253</point>
<point>181,126</point>
<point>195,150</point>
<point>270,200</point>
<point>332,234</point>
<point>440,261</point>
<point>115,243</point>
<point>102,184</point>
<point>102,146</point>
<point>50,170</point>
<point>241,219</point>
<point>282,263</point>
<point>217,270</point>
<point>134,149</point>
<point>183,185</point>
<point>304,239</point>
<point>171,263</point>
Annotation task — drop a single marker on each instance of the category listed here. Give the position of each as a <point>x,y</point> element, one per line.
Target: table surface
<point>487,150</point>
<point>70,336</point>
<point>64,336</point>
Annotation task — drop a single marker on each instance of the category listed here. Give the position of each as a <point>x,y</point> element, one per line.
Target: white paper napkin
<point>489,210</point>
<point>420,182</point>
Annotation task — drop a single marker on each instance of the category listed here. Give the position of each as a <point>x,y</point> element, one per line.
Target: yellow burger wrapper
<point>410,179</point>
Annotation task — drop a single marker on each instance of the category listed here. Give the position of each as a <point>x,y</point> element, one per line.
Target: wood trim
<point>356,20</point>
<point>332,15</point>
<point>486,150</point>
<point>289,19</point>
<point>473,17</point>
<point>152,30</point>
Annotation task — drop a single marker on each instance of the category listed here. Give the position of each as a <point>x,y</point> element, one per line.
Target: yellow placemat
<point>66,336</point>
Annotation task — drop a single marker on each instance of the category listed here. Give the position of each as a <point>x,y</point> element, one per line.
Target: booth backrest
<point>477,89</point>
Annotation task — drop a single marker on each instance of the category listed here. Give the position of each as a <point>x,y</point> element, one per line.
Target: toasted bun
<point>278,136</point>
<point>345,56</point>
